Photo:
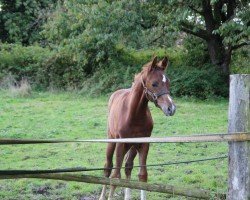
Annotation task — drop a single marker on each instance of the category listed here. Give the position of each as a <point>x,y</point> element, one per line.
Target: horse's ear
<point>152,64</point>
<point>164,63</point>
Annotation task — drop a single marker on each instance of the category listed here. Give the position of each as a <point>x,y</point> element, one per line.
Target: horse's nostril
<point>169,109</point>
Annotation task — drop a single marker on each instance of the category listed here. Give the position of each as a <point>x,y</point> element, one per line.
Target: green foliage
<point>230,20</point>
<point>236,30</point>
<point>87,38</point>
<point>240,61</point>
<point>51,69</point>
<point>194,75</point>
<point>94,33</point>
<point>21,62</point>
<point>223,25</point>
<point>188,76</point>
<point>203,83</point>
<point>21,20</point>
<point>195,53</point>
<point>79,34</point>
<point>113,21</point>
<point>107,80</point>
<point>93,46</point>
<point>42,67</point>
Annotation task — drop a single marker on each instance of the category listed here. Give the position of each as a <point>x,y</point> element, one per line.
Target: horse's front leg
<point>128,169</point>
<point>120,153</point>
<point>108,166</point>
<point>143,174</point>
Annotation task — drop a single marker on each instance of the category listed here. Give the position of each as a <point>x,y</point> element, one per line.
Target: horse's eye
<point>155,84</point>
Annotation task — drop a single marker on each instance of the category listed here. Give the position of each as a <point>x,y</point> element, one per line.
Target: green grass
<point>71,116</point>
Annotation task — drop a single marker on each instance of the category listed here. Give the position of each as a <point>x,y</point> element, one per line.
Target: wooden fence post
<point>239,152</point>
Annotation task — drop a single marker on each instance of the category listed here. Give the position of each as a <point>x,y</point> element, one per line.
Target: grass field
<point>71,116</point>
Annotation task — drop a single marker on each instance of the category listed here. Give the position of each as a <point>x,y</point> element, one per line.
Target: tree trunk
<point>219,55</point>
<point>226,61</point>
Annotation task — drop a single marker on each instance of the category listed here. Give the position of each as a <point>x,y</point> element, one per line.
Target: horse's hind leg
<point>128,169</point>
<point>143,174</point>
<point>109,164</point>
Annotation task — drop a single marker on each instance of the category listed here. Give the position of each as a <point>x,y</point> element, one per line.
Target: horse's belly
<point>121,127</point>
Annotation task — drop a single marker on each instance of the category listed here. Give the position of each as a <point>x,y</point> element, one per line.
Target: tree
<point>95,32</point>
<point>222,24</point>
<point>21,20</point>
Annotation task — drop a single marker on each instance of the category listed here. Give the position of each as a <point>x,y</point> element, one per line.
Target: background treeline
<point>96,46</point>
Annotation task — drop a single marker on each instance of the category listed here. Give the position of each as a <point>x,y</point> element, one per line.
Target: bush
<point>193,75</point>
<point>107,80</point>
<point>119,73</point>
<point>240,61</point>
<point>22,62</point>
<point>59,69</point>
<point>44,68</point>
<point>201,83</point>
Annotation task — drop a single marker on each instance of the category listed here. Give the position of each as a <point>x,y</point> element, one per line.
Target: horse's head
<point>157,86</point>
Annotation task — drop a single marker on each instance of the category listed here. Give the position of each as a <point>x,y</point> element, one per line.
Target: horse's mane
<point>143,71</point>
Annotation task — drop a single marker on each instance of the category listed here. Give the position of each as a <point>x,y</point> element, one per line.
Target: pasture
<point>65,115</point>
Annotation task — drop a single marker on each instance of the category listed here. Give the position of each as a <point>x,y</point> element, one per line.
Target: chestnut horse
<point>129,116</point>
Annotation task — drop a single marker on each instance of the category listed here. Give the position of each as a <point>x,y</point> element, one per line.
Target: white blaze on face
<point>164,78</point>
<point>173,107</point>
<point>170,99</point>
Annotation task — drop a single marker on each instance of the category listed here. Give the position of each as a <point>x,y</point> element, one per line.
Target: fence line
<point>182,191</point>
<point>81,169</point>
<point>232,137</point>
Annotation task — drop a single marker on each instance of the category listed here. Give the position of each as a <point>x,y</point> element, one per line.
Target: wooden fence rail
<point>232,137</point>
<point>169,189</point>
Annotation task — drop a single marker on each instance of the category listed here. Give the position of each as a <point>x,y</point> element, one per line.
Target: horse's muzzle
<point>168,110</point>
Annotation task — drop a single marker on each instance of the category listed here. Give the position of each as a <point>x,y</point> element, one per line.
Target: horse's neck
<point>138,103</point>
